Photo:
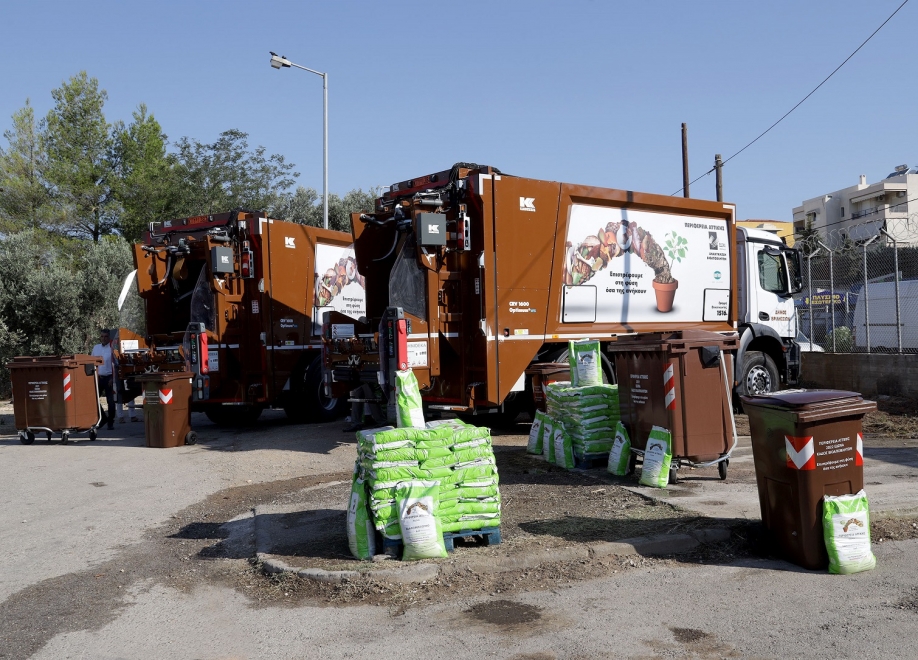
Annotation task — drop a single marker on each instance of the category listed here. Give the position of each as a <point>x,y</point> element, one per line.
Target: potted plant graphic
<point>665,285</point>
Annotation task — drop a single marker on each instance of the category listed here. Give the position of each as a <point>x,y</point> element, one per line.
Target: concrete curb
<point>663,544</point>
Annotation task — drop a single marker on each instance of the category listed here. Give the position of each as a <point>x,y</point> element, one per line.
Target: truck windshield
<point>202,301</point>
<point>772,275</point>
<point>407,281</point>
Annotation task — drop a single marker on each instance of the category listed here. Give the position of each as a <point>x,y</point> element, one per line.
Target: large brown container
<point>166,408</point>
<point>55,394</point>
<point>543,374</point>
<point>676,380</point>
<point>806,444</point>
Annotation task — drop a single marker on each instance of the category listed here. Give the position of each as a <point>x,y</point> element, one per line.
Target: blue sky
<point>581,91</point>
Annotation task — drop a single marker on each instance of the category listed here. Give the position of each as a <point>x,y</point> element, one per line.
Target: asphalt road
<point>87,573</point>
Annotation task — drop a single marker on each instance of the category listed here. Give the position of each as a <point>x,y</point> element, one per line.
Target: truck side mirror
<point>794,272</point>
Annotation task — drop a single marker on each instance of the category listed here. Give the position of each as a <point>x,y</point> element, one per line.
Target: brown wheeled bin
<point>55,394</point>
<point>543,374</point>
<point>167,408</point>
<point>806,444</point>
<point>680,381</point>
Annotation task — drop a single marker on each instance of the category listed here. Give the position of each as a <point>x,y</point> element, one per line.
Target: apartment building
<point>860,211</point>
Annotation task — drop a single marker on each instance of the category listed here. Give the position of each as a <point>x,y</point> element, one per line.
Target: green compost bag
<point>448,423</point>
<point>563,448</point>
<point>585,361</point>
<point>535,433</point>
<point>620,454</point>
<point>422,535</point>
<point>846,526</point>
<point>657,458</point>
<point>360,535</point>
<point>410,412</point>
<point>548,439</point>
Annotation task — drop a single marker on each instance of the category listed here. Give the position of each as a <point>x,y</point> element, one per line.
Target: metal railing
<point>860,287</point>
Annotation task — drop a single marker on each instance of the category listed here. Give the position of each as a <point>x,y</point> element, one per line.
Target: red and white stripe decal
<point>801,454</point>
<point>669,387</point>
<point>859,451</point>
<point>68,390</point>
<point>165,397</point>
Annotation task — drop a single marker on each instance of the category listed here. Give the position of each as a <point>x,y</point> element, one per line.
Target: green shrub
<point>844,340</point>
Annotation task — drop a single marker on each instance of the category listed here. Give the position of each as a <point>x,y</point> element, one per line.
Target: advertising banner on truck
<point>629,266</point>
<point>339,287</point>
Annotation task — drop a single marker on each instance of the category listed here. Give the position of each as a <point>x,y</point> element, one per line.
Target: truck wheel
<point>760,375</point>
<point>318,407</point>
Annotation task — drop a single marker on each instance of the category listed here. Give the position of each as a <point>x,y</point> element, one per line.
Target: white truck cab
<point>769,274</point>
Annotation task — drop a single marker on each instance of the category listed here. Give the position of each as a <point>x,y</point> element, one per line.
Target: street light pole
<point>278,62</point>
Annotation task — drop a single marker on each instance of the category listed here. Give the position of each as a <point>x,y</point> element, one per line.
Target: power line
<point>799,103</point>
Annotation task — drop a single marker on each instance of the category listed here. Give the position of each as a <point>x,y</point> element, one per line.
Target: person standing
<point>106,375</point>
<point>121,391</point>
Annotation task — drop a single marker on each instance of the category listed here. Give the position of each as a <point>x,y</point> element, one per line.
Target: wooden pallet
<point>489,536</point>
<point>591,461</point>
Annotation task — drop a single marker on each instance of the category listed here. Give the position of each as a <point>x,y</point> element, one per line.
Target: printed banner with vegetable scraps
<point>627,266</point>
<point>339,287</point>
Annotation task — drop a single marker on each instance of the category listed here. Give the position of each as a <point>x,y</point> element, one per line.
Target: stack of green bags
<point>457,455</point>
<point>586,415</point>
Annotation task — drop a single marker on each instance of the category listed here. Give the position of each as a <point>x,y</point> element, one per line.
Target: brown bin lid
<point>678,339</point>
<point>802,398</point>
<point>69,361</point>
<point>162,376</point>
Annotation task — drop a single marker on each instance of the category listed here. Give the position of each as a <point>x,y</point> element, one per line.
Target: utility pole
<point>685,175</point>
<point>718,169</point>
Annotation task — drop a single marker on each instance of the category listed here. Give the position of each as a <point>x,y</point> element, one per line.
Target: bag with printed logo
<point>535,433</point>
<point>846,526</point>
<point>422,534</point>
<point>620,454</point>
<point>563,448</point>
<point>410,412</point>
<point>585,361</point>
<point>658,456</point>
<point>361,538</point>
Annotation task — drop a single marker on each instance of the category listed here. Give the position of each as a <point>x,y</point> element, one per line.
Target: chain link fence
<point>860,287</point>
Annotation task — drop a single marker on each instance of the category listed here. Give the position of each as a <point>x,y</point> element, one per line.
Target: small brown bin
<point>806,444</point>
<point>677,380</point>
<point>55,394</point>
<point>543,374</point>
<point>166,408</point>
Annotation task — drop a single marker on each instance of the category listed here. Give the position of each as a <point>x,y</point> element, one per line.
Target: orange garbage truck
<point>234,298</point>
<point>474,277</point>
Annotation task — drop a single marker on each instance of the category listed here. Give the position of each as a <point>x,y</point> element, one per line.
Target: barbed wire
<point>853,237</point>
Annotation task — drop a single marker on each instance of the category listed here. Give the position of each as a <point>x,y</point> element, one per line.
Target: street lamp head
<point>278,61</point>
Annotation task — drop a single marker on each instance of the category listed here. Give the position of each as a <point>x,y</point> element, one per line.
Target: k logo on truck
<point>289,242</point>
<point>527,204</point>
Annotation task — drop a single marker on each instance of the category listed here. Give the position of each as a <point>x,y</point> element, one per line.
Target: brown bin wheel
<point>48,436</point>
<point>673,475</point>
<point>191,438</point>
<point>632,465</point>
<point>27,438</point>
<point>65,437</point>
<point>92,435</point>
<point>722,469</point>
